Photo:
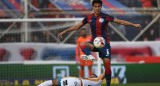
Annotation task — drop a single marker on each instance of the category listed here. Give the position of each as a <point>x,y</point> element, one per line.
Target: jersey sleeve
<point>84,21</point>
<point>109,18</point>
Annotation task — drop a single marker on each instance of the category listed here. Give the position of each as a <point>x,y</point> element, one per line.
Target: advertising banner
<point>20,74</point>
<point>66,52</point>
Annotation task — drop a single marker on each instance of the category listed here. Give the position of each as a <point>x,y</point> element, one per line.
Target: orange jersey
<point>80,40</point>
<point>79,52</point>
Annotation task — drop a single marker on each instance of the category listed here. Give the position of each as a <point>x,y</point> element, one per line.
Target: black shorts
<point>104,52</point>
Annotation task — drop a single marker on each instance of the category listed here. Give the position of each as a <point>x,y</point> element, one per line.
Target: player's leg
<point>90,70</point>
<point>81,71</point>
<point>105,54</point>
<point>50,83</point>
<point>86,47</point>
<point>82,64</point>
<point>89,64</point>
<point>108,72</point>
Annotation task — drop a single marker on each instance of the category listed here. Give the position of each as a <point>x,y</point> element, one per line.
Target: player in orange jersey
<point>83,38</point>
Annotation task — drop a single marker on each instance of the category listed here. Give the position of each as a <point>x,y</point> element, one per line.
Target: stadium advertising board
<point>36,51</point>
<point>20,74</point>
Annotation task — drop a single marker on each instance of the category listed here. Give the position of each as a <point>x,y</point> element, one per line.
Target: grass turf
<point>130,84</point>
<point>136,84</point>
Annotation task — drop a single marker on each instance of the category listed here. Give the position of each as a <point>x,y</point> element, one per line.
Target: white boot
<point>88,57</point>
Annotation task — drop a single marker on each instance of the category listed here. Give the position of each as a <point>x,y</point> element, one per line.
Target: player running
<point>74,81</point>
<point>98,22</point>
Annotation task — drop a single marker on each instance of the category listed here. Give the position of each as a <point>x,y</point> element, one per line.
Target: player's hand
<point>78,62</point>
<point>60,34</point>
<point>137,26</point>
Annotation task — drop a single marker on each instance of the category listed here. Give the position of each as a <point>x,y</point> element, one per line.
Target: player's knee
<point>86,44</point>
<point>90,67</point>
<point>82,67</point>
<point>106,60</point>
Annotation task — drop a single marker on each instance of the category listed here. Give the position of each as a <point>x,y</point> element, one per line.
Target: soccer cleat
<point>88,57</point>
<point>83,57</point>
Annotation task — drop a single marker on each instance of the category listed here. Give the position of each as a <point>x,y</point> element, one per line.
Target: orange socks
<point>81,73</point>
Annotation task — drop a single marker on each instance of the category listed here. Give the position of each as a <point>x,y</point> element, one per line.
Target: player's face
<point>83,33</point>
<point>97,8</point>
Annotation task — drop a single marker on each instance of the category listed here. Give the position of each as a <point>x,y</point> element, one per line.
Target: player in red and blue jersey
<point>98,22</point>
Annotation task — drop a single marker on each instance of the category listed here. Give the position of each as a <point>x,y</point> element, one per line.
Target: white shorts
<point>91,82</point>
<point>70,81</point>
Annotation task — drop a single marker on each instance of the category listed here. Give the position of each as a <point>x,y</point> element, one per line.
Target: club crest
<point>101,20</point>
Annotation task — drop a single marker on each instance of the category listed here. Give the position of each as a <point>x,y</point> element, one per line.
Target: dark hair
<point>95,75</point>
<point>97,1</point>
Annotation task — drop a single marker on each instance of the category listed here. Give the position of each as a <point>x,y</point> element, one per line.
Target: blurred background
<point>31,51</point>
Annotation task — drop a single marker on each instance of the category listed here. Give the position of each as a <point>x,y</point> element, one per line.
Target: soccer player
<point>83,38</point>
<point>75,81</point>
<point>98,22</point>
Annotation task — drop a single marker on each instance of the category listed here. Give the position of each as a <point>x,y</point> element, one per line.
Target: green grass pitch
<point>136,84</point>
<point>131,84</point>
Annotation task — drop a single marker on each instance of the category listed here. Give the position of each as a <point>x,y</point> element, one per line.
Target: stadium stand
<point>12,6</point>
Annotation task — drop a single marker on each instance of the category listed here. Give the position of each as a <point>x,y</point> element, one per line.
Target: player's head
<point>93,76</point>
<point>97,5</point>
<point>83,32</point>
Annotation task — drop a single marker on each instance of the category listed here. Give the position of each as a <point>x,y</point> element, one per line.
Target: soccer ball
<point>99,42</point>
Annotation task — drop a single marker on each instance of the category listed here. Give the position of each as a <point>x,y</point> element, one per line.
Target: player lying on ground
<point>98,22</point>
<point>74,81</point>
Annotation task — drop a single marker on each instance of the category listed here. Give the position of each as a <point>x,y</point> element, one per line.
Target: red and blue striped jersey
<point>98,25</point>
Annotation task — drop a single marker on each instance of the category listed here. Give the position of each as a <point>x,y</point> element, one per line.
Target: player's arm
<point>102,76</point>
<point>77,51</point>
<point>96,80</point>
<point>49,83</point>
<point>123,22</point>
<point>75,27</point>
